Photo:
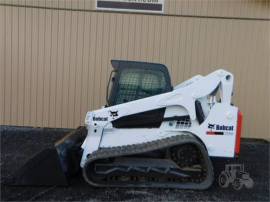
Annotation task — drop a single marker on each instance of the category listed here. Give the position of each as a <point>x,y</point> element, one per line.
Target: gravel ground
<point>17,144</point>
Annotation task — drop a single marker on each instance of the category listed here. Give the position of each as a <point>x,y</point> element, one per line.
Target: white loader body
<point>217,131</point>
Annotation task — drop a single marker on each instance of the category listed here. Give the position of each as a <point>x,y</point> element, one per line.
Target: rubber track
<point>128,150</point>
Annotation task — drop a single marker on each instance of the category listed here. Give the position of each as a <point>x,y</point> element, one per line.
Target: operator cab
<point>132,80</point>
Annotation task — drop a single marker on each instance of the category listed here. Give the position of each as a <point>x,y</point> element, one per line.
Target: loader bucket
<point>43,169</point>
<point>53,166</point>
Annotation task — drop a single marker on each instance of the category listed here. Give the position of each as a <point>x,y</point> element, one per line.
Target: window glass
<point>136,84</point>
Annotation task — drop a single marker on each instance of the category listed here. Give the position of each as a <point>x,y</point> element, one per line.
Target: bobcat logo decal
<point>113,114</point>
<point>211,126</point>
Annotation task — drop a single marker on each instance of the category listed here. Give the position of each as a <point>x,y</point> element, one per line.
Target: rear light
<point>238,133</point>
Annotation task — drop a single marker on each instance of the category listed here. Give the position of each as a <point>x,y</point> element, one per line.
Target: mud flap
<point>52,166</point>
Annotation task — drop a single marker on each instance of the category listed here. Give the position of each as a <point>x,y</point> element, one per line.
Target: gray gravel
<point>18,144</point>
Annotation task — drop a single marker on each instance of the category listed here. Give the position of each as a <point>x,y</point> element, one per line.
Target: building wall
<point>55,55</point>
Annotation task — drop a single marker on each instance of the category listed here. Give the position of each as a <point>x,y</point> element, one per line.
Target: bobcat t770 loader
<point>149,134</point>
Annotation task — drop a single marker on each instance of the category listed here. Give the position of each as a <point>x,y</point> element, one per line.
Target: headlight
<point>88,118</point>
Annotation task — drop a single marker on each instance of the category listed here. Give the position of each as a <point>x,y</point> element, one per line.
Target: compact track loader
<point>149,134</point>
